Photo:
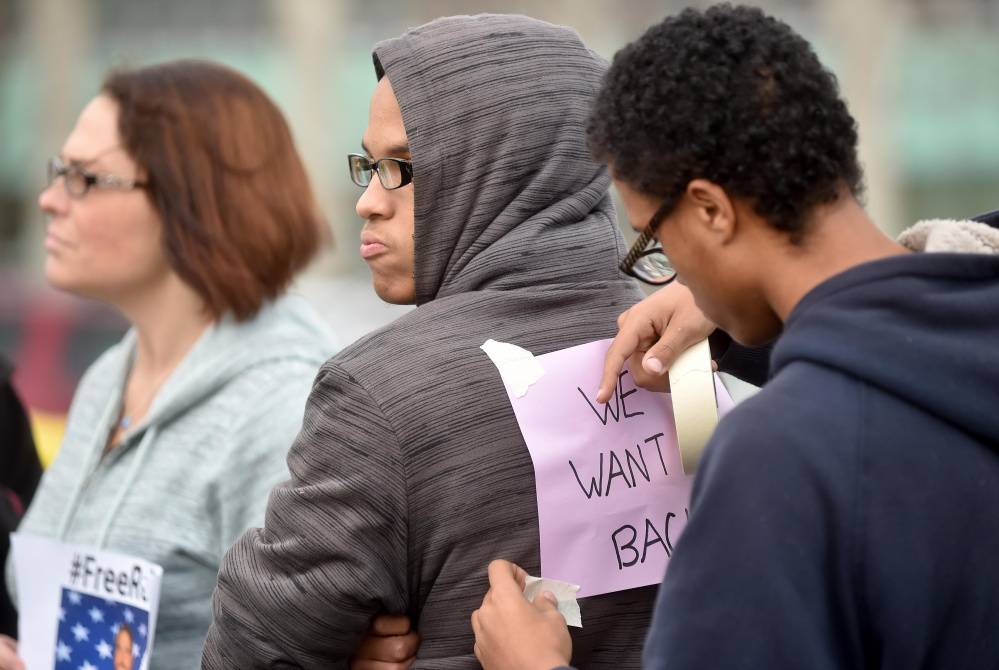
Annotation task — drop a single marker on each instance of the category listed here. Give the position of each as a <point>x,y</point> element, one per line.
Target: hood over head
<point>506,192</point>
<point>922,327</point>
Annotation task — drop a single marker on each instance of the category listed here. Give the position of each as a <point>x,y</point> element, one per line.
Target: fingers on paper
<point>623,346</point>
<point>676,338</point>
<point>547,604</point>
<point>648,336</point>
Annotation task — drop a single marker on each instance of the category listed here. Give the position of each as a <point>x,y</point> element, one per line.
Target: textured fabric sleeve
<point>299,593</point>
<point>760,577</point>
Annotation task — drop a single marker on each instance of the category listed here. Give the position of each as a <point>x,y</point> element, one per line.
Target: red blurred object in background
<point>52,338</point>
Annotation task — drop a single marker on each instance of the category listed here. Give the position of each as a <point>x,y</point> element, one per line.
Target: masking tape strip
<point>695,407</point>
<point>568,606</point>
<point>737,389</point>
<point>518,367</point>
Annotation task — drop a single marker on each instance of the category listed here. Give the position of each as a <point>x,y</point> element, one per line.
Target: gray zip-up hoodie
<point>410,473</point>
<point>196,472</point>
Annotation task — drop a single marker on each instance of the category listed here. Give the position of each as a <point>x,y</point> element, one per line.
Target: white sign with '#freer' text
<point>83,608</point>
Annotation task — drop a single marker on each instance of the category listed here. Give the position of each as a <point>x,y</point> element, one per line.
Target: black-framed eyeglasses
<point>78,180</point>
<point>649,264</point>
<point>393,173</point>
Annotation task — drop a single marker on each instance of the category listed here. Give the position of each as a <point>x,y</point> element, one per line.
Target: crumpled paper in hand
<point>568,606</point>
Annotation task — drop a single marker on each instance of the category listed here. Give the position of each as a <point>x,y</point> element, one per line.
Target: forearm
<point>274,606</point>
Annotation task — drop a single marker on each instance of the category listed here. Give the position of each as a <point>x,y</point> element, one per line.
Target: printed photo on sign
<point>99,634</point>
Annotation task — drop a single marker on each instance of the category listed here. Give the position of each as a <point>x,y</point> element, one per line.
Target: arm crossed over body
<point>301,591</point>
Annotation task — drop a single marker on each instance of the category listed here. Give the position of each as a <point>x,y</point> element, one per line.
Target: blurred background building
<point>920,76</point>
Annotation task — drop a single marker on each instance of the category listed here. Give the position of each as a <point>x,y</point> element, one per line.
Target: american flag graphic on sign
<point>100,634</point>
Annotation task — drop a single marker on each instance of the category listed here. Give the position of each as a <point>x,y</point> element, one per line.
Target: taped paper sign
<point>518,366</point>
<point>612,495</point>
<point>81,607</point>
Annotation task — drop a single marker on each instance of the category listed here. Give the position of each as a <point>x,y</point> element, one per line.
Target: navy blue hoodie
<point>848,515</point>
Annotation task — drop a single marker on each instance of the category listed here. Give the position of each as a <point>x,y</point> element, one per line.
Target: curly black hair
<point>733,96</point>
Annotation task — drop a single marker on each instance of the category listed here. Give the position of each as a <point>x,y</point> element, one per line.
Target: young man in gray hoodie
<point>483,207</point>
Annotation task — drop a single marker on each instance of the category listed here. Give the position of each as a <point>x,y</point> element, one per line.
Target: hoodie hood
<point>922,327</point>
<point>283,331</point>
<point>952,236</point>
<point>495,110</point>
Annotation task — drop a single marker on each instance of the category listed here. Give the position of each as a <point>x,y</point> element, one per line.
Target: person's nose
<point>376,202</point>
<point>54,200</point>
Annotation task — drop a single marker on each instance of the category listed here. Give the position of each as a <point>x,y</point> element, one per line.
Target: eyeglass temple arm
<point>638,248</point>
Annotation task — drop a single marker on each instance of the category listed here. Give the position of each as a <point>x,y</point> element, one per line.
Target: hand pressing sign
<point>651,335</point>
<point>512,633</point>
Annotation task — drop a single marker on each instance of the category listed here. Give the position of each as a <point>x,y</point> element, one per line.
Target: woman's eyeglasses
<point>649,264</point>
<point>392,172</point>
<point>78,180</point>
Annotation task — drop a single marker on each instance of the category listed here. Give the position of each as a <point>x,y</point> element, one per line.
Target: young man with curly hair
<point>844,517</point>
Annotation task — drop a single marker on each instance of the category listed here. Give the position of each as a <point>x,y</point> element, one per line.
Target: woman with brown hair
<point>179,198</point>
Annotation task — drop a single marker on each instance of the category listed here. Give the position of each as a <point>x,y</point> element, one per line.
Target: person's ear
<point>713,208</point>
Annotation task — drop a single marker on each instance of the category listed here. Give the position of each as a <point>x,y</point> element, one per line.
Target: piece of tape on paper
<point>695,406</point>
<point>518,367</point>
<point>737,389</point>
<point>568,606</point>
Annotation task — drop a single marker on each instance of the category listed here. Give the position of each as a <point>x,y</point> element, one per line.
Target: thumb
<point>546,602</point>
<point>664,353</point>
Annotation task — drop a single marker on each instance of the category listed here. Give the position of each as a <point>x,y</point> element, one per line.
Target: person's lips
<point>53,242</point>
<point>371,246</point>
<point>373,249</point>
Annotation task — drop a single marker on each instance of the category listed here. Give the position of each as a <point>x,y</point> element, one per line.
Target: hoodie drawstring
<point>141,453</point>
<point>96,449</point>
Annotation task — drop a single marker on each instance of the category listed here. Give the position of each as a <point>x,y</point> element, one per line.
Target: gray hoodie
<point>196,472</point>
<point>410,473</point>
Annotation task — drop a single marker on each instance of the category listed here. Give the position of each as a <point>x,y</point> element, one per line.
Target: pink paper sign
<point>612,496</point>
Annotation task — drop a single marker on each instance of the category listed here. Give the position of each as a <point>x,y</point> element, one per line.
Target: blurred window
<point>86,343</point>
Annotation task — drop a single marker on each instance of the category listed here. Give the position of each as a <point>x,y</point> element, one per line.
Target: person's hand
<point>651,335</point>
<point>514,634</point>
<point>8,654</point>
<point>389,645</point>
